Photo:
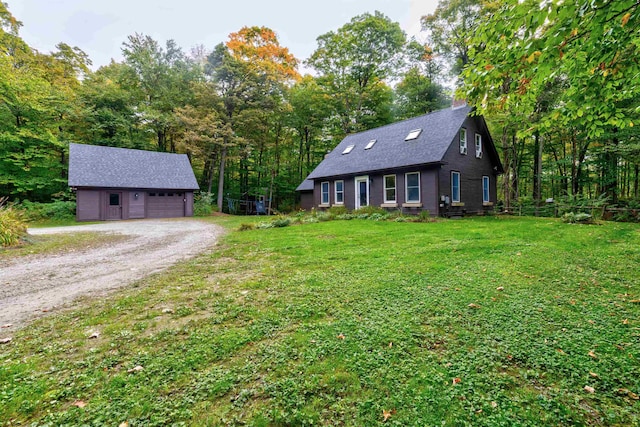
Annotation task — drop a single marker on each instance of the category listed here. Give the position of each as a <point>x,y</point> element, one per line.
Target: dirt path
<point>33,285</point>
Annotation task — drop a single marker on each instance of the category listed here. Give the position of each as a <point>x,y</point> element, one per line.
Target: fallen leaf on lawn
<point>124,424</point>
<point>594,375</point>
<point>79,403</point>
<point>479,411</point>
<point>559,350</point>
<point>390,344</point>
<point>341,336</point>
<point>312,341</point>
<point>494,405</point>
<point>589,389</point>
<point>592,322</point>
<point>167,310</point>
<point>455,381</point>
<point>572,302</point>
<point>137,368</point>
<point>625,322</point>
<point>592,354</point>
<point>472,305</point>
<point>385,415</point>
<point>94,335</point>
<point>5,340</point>
<point>500,288</point>
<point>629,393</point>
<point>635,301</point>
<point>45,310</point>
<point>7,325</point>
<point>519,254</point>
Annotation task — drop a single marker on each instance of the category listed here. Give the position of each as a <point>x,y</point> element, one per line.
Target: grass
<point>59,243</point>
<point>340,322</point>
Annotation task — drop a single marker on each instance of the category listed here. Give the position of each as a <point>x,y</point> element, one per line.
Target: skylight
<point>413,134</point>
<point>370,144</point>
<point>348,149</point>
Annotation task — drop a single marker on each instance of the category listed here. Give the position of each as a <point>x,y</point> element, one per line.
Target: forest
<point>557,81</point>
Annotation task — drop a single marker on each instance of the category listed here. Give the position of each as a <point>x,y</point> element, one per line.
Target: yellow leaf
<point>385,415</point>
<point>472,305</point>
<point>531,58</point>
<point>456,380</point>
<point>625,18</point>
<point>592,354</point>
<point>625,322</point>
<point>390,344</point>
<point>124,424</point>
<point>341,336</point>
<point>593,374</point>
<point>589,389</point>
<point>79,403</point>
<point>630,124</point>
<point>574,32</point>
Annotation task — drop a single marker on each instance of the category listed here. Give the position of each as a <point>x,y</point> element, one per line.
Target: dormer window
<point>348,149</point>
<point>413,134</point>
<point>370,144</point>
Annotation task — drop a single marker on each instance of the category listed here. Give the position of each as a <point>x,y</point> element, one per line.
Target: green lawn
<point>486,321</point>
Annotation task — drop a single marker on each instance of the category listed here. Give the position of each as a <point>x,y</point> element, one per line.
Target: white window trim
<point>385,188</point>
<point>453,196</point>
<point>414,134</point>
<point>463,141</point>
<point>322,202</point>
<point>406,188</point>
<point>486,179</point>
<point>370,144</point>
<point>478,141</point>
<point>356,180</point>
<point>335,192</point>
<point>348,149</point>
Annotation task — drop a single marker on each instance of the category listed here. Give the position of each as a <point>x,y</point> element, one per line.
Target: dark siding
<point>306,200</point>
<point>471,170</point>
<point>136,205</point>
<point>188,207</point>
<point>88,205</point>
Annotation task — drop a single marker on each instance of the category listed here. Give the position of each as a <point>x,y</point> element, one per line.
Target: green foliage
<point>57,210</point>
<point>203,204</point>
<point>281,222</point>
<point>246,226</point>
<point>12,225</point>
<point>577,218</point>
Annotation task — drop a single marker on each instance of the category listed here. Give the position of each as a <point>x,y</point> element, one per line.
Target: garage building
<point>119,183</point>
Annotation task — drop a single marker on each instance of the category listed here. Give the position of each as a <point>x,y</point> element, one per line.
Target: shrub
<point>246,226</point>
<point>12,225</point>
<point>59,210</point>
<point>577,218</point>
<point>379,216</point>
<point>202,204</point>
<point>424,216</point>
<point>264,225</point>
<point>281,222</point>
<point>337,210</point>
<point>368,210</point>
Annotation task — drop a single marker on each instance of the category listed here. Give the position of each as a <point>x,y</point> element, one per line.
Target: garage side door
<point>165,205</point>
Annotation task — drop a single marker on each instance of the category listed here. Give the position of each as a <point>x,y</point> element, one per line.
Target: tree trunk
<point>507,169</point>
<point>223,158</point>
<point>537,171</point>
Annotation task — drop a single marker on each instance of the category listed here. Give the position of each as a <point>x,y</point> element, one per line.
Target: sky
<point>99,27</point>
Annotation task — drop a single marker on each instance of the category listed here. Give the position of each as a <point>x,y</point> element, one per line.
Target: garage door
<point>165,205</point>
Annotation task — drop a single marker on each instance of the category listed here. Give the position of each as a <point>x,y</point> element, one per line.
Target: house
<point>119,183</point>
<point>442,162</point>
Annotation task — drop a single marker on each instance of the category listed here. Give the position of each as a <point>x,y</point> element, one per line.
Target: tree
<point>354,61</point>
<point>417,94</point>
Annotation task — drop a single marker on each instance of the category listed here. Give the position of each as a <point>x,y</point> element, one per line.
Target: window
<point>348,149</point>
<point>463,141</point>
<point>170,194</point>
<point>152,194</point>
<point>160,194</point>
<point>114,199</point>
<point>485,189</point>
<point>413,134</point>
<point>339,192</point>
<point>370,144</point>
<point>455,187</point>
<point>478,146</point>
<point>389,188</point>
<point>412,183</point>
<point>324,191</point>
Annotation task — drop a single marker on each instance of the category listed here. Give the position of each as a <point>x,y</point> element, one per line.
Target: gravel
<point>37,284</point>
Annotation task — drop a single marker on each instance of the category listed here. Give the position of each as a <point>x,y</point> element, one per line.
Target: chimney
<point>458,103</point>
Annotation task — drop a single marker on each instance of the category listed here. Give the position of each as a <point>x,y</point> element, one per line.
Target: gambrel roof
<point>391,149</point>
<point>97,166</point>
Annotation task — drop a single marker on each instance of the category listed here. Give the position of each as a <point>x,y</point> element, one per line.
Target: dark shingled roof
<point>391,150</point>
<point>97,166</point>
<point>306,185</point>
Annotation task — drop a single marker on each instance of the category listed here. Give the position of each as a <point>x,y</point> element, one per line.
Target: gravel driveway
<point>32,285</point>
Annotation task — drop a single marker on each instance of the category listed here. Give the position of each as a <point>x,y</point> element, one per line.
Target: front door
<point>362,191</point>
<point>114,209</point>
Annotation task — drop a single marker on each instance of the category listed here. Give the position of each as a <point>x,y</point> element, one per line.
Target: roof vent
<point>370,144</point>
<point>413,134</point>
<point>348,149</point>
